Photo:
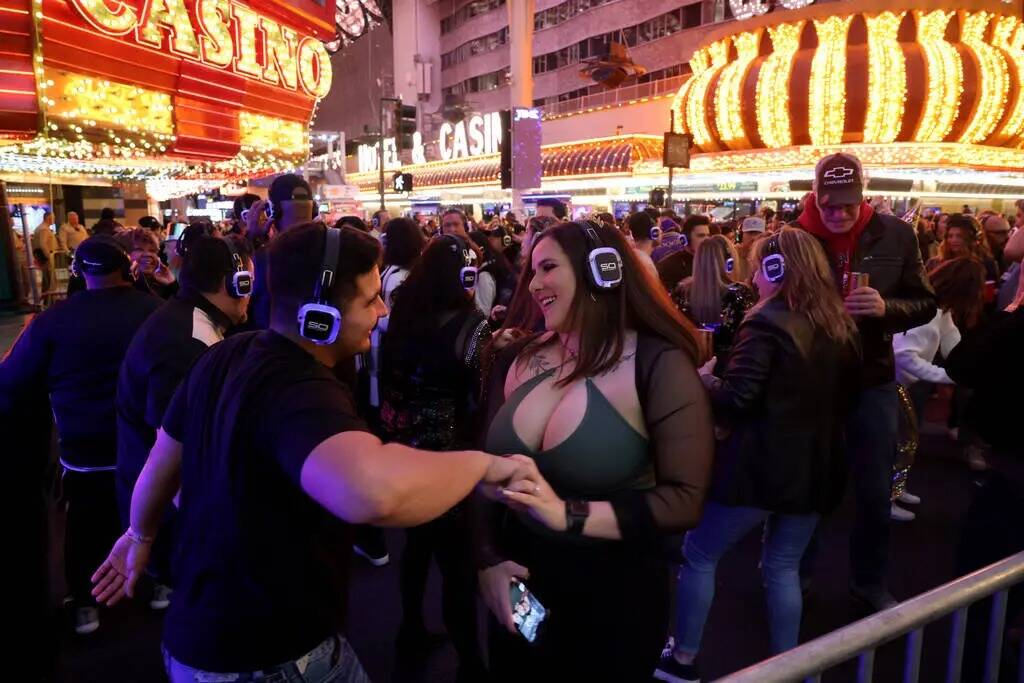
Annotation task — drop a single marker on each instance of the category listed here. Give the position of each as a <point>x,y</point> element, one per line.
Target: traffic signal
<point>405,124</point>
<point>403,182</point>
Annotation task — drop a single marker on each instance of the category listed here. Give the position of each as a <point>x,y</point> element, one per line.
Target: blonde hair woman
<point>782,397</point>
<point>713,298</point>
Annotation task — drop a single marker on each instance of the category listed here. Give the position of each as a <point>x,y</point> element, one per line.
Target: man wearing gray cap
<point>877,267</point>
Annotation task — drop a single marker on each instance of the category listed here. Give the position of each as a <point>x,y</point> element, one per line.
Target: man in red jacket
<point>896,297</point>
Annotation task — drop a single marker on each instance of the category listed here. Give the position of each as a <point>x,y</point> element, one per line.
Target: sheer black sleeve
<point>681,444</point>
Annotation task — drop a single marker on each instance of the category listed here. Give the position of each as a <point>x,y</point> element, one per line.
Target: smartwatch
<point>576,513</point>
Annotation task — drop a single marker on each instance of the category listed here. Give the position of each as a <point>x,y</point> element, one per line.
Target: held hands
<point>865,302</point>
<point>529,492</point>
<point>119,573</point>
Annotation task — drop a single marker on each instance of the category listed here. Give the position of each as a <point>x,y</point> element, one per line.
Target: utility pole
<point>520,32</point>
<point>671,169</point>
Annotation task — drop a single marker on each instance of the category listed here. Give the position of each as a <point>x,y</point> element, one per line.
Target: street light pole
<point>520,31</point>
<point>380,155</point>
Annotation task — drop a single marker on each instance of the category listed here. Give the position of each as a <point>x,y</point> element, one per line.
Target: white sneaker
<point>87,620</point>
<point>908,498</point>
<point>161,597</point>
<point>898,514</point>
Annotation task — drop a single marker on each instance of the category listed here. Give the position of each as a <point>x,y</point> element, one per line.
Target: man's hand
<point>500,472</point>
<point>865,302</point>
<point>529,492</point>
<point>119,573</point>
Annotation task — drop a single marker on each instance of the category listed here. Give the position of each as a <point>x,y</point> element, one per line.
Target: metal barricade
<point>809,661</point>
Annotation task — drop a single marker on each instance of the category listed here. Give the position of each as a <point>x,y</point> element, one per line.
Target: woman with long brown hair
<point>713,298</point>
<point>781,398</point>
<point>608,403</point>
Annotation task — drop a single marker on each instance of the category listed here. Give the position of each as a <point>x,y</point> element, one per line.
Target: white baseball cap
<point>752,224</point>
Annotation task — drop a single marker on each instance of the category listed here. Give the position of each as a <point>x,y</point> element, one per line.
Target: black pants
<point>608,609</point>
<point>446,540</point>
<point>92,527</point>
<point>993,530</point>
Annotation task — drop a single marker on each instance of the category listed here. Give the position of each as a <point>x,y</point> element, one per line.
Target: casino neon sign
<point>220,33</point>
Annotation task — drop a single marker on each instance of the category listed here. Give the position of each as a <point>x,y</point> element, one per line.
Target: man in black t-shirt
<point>268,452</point>
<point>212,299</point>
<point>72,352</point>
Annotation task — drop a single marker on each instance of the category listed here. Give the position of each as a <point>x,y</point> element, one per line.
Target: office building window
<point>477,46</point>
<point>467,12</point>
<point>658,27</point>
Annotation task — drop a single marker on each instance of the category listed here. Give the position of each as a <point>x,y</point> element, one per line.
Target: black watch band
<point>576,513</point>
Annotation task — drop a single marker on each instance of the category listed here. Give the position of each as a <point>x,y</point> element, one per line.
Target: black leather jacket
<point>782,398</point>
<point>889,253</point>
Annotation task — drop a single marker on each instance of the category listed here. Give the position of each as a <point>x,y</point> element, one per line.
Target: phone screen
<point>527,612</point>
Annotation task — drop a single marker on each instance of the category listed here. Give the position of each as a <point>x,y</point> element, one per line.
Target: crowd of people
<point>557,412</point>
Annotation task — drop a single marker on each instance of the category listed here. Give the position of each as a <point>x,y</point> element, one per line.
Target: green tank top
<point>604,455</point>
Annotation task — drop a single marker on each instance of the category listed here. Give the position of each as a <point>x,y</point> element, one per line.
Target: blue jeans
<point>332,661</point>
<point>785,538</point>
<point>871,441</point>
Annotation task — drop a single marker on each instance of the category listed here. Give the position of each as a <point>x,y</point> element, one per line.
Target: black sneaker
<point>670,670</point>
<point>874,598</point>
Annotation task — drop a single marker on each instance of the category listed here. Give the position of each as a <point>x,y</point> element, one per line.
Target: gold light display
<point>93,102</point>
<point>772,94</point>
<point>266,134</point>
<point>887,79</point>
<point>706,64</point>
<point>1008,33</point>
<point>891,155</point>
<point>980,130</point>
<point>728,117</point>
<point>995,78</point>
<point>827,108</point>
<point>945,77</point>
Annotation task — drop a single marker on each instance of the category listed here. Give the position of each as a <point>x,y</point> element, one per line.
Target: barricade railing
<point>861,639</point>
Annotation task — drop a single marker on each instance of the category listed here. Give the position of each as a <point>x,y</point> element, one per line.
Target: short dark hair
<point>557,206</point>
<point>296,256</point>
<point>654,213</point>
<point>208,262</point>
<point>107,214</point>
<point>243,203</point>
<point>606,218</point>
<point>404,242</point>
<point>105,226</point>
<point>639,225</point>
<point>353,222</point>
<point>693,221</point>
<point>149,223</point>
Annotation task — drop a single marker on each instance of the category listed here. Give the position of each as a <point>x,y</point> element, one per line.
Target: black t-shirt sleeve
<point>177,413</point>
<point>306,414</point>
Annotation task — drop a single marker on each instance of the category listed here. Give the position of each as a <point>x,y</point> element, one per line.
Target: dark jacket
<point>784,392</point>
<point>988,363</point>
<point>73,351</point>
<point>159,356</point>
<point>889,253</point>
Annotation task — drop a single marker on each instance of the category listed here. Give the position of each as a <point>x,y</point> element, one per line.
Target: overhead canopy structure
<point>596,158</point>
<point>161,88</point>
<point>903,84</point>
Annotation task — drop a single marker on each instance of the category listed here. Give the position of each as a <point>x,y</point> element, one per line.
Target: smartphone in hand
<point>527,612</point>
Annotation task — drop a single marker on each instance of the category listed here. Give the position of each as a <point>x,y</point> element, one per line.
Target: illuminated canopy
<point>901,84</point>
<point>169,88</point>
<point>589,158</point>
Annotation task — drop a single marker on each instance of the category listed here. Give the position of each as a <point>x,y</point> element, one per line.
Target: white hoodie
<point>916,348</point>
